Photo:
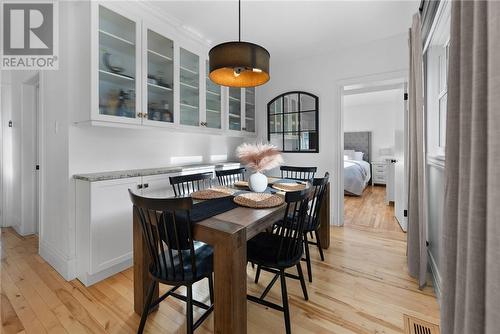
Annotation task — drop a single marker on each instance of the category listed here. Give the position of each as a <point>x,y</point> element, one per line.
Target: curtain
<point>471,227</point>
<point>417,205</point>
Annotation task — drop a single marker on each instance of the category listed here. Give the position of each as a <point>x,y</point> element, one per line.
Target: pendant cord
<point>239,20</point>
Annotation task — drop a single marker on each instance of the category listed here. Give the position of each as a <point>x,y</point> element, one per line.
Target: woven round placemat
<point>241,184</point>
<point>259,200</point>
<point>212,193</point>
<point>289,186</point>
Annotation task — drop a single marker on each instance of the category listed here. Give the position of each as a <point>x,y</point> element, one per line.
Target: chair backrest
<point>166,228</point>
<point>292,227</point>
<point>230,176</point>
<point>319,189</point>
<point>298,173</point>
<point>186,184</point>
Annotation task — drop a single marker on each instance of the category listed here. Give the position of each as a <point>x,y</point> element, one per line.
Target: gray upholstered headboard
<point>359,141</point>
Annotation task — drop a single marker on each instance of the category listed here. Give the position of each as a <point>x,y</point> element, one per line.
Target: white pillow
<point>350,154</point>
<point>358,156</point>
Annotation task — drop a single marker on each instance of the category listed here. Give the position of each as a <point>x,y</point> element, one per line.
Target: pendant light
<point>239,64</point>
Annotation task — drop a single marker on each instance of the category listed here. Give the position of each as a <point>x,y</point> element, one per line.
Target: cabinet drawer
<point>377,178</point>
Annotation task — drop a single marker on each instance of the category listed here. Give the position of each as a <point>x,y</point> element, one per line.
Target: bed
<point>357,169</point>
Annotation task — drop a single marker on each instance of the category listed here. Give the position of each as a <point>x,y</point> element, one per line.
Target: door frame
<point>31,84</point>
<point>393,77</point>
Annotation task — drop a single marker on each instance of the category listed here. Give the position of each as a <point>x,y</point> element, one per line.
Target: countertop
<point>121,174</point>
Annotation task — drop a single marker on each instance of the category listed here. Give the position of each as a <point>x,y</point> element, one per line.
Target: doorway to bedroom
<point>374,154</point>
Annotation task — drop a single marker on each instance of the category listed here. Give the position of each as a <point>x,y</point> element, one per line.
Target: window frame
<point>435,81</point>
<point>299,113</point>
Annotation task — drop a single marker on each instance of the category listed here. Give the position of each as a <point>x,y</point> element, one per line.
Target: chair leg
<point>257,274</point>
<point>189,310</point>
<point>211,288</point>
<point>318,242</point>
<point>147,305</point>
<point>302,281</point>
<point>284,297</point>
<point>308,258</point>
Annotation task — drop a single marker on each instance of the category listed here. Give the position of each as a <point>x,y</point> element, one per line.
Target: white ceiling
<point>294,28</point>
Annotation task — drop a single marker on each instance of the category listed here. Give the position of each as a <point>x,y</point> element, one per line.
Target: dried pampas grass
<point>259,157</point>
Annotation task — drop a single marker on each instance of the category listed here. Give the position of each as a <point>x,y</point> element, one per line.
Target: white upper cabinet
<point>213,103</point>
<point>148,72</point>
<point>249,109</point>
<point>189,88</point>
<point>117,73</point>
<point>235,106</point>
<point>158,77</point>
<point>241,110</point>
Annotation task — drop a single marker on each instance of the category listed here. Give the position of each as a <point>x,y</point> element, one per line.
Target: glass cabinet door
<point>189,88</point>
<point>234,108</point>
<point>117,64</point>
<point>213,102</point>
<point>250,109</point>
<point>160,78</point>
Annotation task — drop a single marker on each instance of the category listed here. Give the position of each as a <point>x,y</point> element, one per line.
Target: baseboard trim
<point>90,279</point>
<point>436,276</point>
<point>64,266</point>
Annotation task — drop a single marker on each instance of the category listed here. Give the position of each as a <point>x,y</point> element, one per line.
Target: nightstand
<point>379,172</point>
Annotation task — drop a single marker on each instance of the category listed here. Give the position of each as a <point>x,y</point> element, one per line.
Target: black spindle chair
<point>281,249</point>
<point>312,222</point>
<point>298,173</point>
<point>186,184</point>
<point>176,259</point>
<point>230,176</point>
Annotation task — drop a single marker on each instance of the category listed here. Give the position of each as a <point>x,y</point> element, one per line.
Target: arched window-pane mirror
<point>292,122</point>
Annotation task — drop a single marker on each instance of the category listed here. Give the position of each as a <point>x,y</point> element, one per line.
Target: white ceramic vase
<point>257,182</point>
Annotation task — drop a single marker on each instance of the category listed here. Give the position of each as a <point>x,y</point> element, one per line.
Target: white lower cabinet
<point>104,221</point>
<point>103,227</point>
<point>158,184</point>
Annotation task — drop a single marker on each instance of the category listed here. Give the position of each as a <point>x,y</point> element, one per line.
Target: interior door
<point>36,148</point>
<point>400,152</point>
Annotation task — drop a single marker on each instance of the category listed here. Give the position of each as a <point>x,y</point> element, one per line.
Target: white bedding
<point>356,176</point>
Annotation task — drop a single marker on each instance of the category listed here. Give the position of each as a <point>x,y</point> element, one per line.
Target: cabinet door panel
<point>189,88</point>
<point>234,108</point>
<point>250,109</point>
<point>213,102</point>
<point>111,223</point>
<point>159,77</point>
<point>157,186</point>
<point>118,66</point>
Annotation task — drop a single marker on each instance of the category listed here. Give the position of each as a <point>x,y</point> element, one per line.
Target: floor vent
<point>418,326</point>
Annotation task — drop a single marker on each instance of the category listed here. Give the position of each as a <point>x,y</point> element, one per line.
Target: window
<point>436,85</point>
<point>292,122</point>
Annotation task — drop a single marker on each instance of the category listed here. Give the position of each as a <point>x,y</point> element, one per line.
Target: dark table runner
<point>212,207</point>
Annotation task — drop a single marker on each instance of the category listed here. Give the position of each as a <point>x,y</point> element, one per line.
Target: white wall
<point>6,150</point>
<point>54,236</point>
<point>435,198</point>
<point>321,75</point>
<point>375,112</point>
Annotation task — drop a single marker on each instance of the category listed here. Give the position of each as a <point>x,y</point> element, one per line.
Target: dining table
<point>227,233</point>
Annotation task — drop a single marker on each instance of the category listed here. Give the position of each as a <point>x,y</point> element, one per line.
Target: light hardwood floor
<point>362,287</point>
<point>370,211</point>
